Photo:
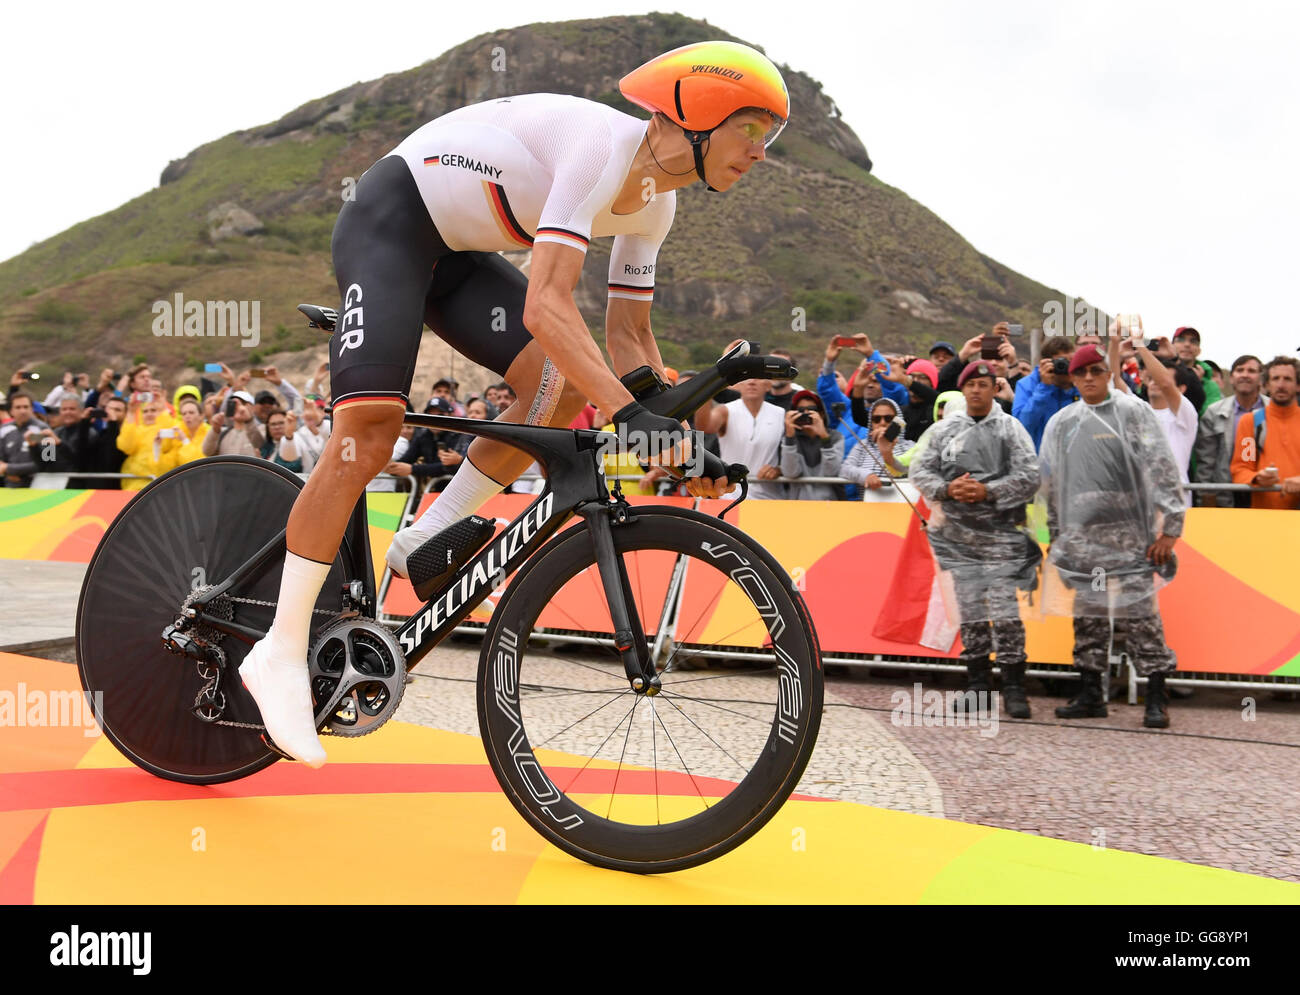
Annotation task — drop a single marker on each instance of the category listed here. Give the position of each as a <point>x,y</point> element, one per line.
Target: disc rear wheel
<point>187,530</point>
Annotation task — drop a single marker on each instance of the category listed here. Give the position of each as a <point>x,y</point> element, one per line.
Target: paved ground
<point>1221,787</point>
<point>38,602</point>
<point>857,757</point>
<point>1215,788</point>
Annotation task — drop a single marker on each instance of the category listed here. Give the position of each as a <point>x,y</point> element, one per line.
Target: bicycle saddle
<point>320,317</point>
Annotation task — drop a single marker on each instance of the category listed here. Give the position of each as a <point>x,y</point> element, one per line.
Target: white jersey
<point>753,441</point>
<point>506,174</point>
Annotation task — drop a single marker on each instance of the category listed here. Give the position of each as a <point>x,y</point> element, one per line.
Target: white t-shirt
<point>753,440</point>
<point>1180,430</point>
<point>311,445</point>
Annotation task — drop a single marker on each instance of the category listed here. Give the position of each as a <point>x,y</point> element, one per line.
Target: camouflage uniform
<point>1111,486</point>
<point>1144,640</point>
<point>980,544</point>
<point>988,624</point>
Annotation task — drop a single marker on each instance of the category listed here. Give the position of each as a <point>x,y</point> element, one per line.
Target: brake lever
<point>742,478</point>
<point>736,473</point>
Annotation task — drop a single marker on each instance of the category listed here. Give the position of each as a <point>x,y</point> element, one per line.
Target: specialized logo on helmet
<point>718,71</point>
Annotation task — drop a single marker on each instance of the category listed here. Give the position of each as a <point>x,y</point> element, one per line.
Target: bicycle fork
<point>629,637</point>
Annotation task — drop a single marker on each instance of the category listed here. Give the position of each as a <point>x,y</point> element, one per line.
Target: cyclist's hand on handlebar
<point>706,487</point>
<point>657,439</point>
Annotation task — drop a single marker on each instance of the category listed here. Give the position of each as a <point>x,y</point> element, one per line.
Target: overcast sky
<point>1141,155</point>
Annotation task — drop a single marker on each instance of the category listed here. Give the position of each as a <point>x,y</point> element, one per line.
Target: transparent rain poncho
<point>1111,488</point>
<point>983,553</point>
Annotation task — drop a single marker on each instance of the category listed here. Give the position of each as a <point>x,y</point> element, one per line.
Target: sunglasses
<point>881,418</point>
<point>758,135</point>
<point>806,409</point>
<point>1092,371</point>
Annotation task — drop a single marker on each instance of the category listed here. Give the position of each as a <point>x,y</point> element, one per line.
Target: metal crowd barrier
<point>59,481</point>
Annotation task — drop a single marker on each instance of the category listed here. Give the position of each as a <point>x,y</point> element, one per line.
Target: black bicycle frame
<point>575,483</point>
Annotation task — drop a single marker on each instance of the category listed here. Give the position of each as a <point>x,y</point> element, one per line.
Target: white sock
<point>469,489</point>
<point>300,585</point>
<point>275,671</point>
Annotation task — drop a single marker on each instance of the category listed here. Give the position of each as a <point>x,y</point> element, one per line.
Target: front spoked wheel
<point>651,783</point>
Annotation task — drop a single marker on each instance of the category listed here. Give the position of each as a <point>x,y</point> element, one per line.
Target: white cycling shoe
<point>405,542</point>
<point>283,696</point>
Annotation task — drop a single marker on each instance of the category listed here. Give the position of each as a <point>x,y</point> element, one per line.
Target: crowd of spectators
<point>844,437</point>
<point>127,429</point>
<point>1237,427</point>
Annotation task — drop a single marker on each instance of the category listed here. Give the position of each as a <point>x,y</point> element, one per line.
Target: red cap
<point>1086,356</point>
<point>804,395</point>
<point>978,368</point>
<point>926,368</point>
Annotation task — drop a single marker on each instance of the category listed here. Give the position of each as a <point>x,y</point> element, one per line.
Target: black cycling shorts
<point>395,275</point>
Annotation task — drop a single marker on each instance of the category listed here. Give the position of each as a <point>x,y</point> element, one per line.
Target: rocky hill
<point>248,217</point>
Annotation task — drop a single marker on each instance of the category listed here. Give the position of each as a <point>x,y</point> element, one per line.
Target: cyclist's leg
<point>476,304</point>
<point>384,251</point>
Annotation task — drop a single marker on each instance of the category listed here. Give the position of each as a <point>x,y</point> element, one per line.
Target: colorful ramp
<point>414,815</point>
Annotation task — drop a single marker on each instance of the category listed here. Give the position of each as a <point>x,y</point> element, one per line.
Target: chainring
<point>358,676</point>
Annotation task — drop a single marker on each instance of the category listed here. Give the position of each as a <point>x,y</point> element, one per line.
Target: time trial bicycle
<point>632,760</point>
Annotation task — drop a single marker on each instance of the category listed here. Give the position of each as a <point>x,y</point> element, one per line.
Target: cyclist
<point>418,244</point>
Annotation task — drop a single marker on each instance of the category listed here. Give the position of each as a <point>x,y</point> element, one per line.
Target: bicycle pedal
<point>270,745</point>
<point>437,560</point>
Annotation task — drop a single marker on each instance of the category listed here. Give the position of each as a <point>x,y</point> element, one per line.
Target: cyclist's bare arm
<point>628,337</point>
<point>555,322</point>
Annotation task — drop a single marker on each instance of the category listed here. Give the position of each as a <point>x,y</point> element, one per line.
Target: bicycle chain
<point>272,604</point>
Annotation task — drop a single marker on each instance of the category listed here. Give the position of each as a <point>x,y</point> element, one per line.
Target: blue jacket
<point>828,389</point>
<point>888,388</point>
<point>1036,402</point>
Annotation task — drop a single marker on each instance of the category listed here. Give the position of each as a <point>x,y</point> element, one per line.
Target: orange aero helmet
<point>699,86</point>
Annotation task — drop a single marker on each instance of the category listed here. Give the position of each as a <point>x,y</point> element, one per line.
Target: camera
<point>1061,366</point>
<point>803,418</point>
<point>893,431</point>
<point>98,413</point>
<point>230,407</point>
